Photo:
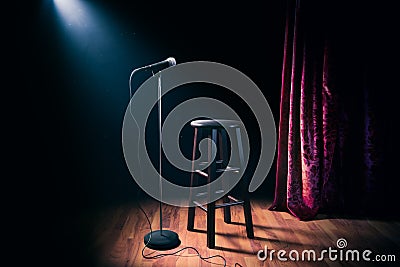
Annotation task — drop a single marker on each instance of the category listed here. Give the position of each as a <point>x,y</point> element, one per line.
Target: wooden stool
<point>213,129</point>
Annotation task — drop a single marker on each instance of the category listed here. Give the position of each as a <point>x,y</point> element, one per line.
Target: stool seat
<point>216,123</point>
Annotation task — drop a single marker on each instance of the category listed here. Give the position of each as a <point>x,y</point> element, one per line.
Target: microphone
<point>167,63</point>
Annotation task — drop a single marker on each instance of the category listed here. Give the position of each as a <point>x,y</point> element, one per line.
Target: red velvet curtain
<point>334,115</point>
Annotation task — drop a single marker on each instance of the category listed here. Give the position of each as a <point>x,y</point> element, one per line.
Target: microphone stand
<point>159,239</point>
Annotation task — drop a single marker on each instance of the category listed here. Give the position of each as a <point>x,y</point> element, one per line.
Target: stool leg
<point>212,168</point>
<point>240,150</point>
<point>211,225</point>
<point>227,211</point>
<point>244,183</point>
<point>191,215</point>
<point>223,150</point>
<point>212,173</point>
<point>193,182</point>
<point>248,219</point>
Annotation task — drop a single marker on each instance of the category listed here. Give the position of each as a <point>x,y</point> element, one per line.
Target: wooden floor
<point>116,237</point>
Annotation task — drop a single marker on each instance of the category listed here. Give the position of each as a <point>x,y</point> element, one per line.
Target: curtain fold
<point>330,143</point>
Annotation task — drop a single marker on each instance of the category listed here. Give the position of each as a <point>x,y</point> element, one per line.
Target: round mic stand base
<point>162,240</point>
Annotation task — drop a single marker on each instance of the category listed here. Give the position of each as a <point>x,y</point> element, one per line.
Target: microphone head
<point>171,61</point>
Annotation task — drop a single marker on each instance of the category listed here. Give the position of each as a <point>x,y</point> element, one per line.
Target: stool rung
<point>200,206</point>
<point>239,202</point>
<point>206,162</point>
<point>229,169</point>
<point>204,194</point>
<point>233,199</point>
<point>229,204</point>
<point>201,173</point>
